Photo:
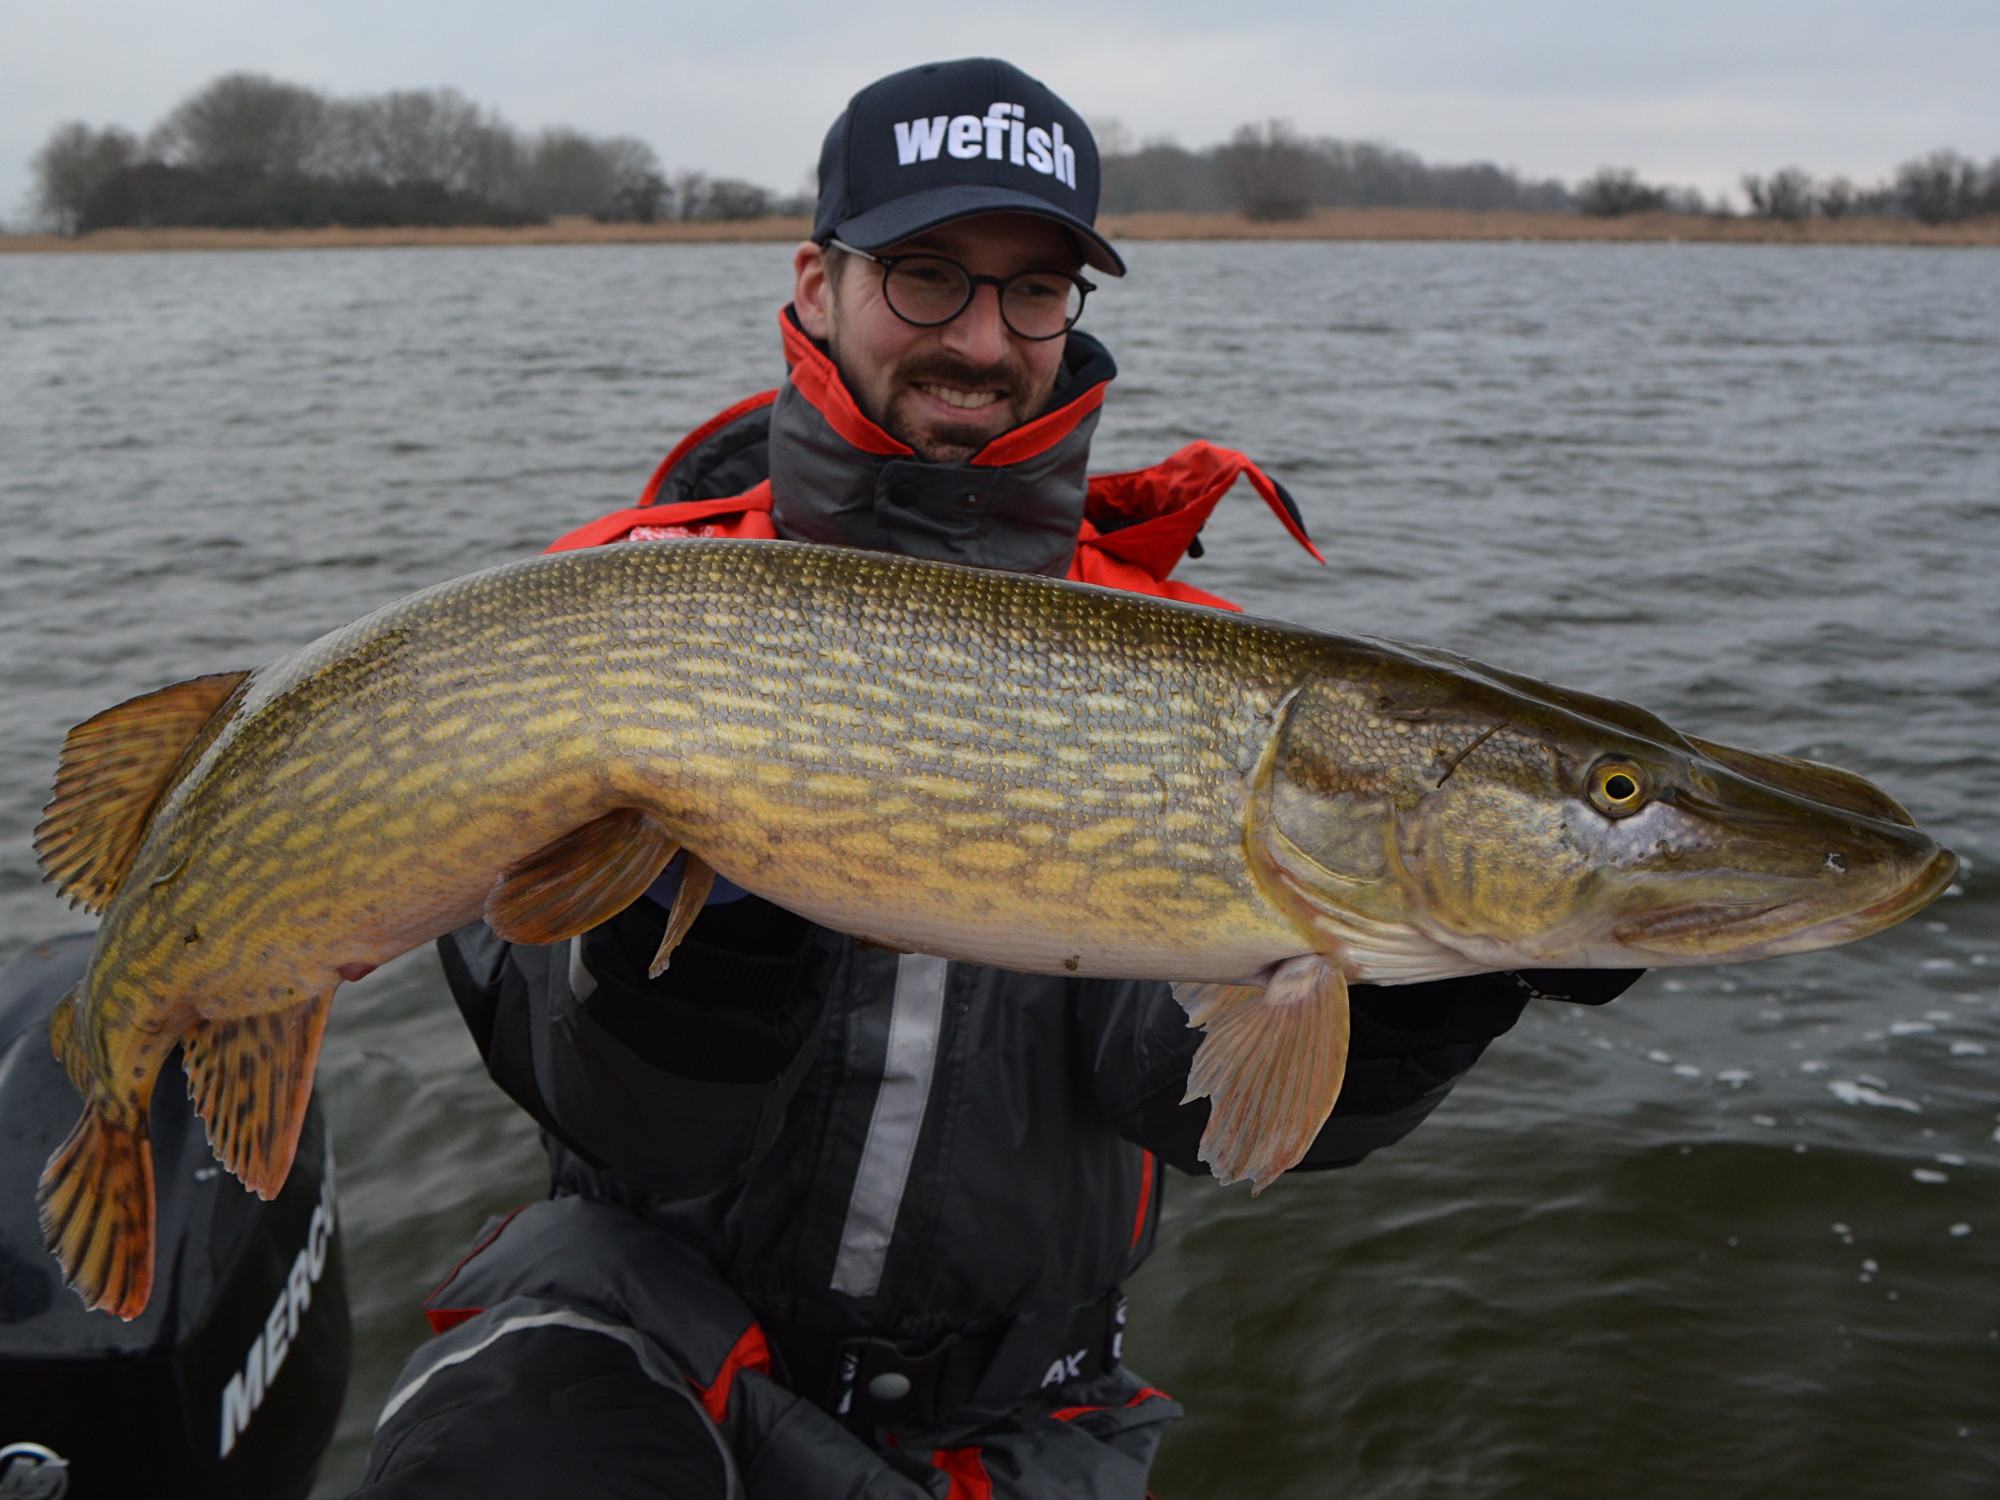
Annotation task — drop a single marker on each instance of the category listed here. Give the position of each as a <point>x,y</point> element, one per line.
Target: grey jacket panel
<point>1022,517</point>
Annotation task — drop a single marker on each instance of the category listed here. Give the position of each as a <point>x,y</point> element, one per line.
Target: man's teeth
<point>964,400</point>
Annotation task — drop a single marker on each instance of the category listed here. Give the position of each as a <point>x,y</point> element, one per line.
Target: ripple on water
<point>1749,487</point>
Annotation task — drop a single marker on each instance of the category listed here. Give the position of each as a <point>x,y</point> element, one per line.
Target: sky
<point>1693,92</point>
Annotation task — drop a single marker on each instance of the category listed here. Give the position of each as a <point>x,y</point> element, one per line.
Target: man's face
<point>950,390</point>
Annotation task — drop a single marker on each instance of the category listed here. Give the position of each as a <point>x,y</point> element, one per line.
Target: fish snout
<point>1822,882</point>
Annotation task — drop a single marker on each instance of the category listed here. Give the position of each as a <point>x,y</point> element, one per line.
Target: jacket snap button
<point>889,1386</point>
<point>971,500</point>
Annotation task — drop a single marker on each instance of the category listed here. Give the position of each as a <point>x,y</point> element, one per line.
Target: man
<point>830,1220</point>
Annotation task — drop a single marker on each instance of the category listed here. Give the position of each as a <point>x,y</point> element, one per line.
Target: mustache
<point>1010,379</point>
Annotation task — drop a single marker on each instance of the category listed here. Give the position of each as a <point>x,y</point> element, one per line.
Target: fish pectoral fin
<point>115,769</point>
<point>584,878</point>
<point>1271,1066</point>
<point>96,1200</point>
<point>697,880</point>
<point>250,1078</point>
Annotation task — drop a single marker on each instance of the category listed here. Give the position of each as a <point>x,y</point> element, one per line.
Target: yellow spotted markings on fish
<point>991,768</point>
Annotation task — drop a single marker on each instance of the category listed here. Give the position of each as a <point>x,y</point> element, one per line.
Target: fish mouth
<point>1925,887</point>
<point>1728,932</point>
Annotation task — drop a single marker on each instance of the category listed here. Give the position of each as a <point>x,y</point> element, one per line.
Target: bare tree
<point>1612,192</point>
<point>567,173</point>
<point>1161,175</point>
<point>639,193</point>
<point>428,135</point>
<point>1112,138</point>
<point>1940,187</point>
<point>732,198</point>
<point>245,122</point>
<point>645,199</point>
<point>1269,171</point>
<point>1836,198</point>
<point>690,195</point>
<point>1787,194</point>
<point>72,164</point>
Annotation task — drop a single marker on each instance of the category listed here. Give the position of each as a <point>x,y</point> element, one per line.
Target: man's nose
<point>979,335</point>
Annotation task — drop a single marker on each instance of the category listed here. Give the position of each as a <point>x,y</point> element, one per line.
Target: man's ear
<point>812,291</point>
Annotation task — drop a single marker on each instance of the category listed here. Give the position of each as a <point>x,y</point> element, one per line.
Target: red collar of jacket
<point>1135,526</point>
<point>816,377</point>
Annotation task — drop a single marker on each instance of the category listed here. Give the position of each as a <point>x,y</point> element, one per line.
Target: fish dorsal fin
<point>1271,1065</point>
<point>587,876</point>
<point>115,770</point>
<point>250,1079</point>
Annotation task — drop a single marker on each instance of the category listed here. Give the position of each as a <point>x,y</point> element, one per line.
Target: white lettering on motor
<point>247,1387</point>
<point>242,1396</point>
<point>966,140</point>
<point>1038,151</point>
<point>919,140</point>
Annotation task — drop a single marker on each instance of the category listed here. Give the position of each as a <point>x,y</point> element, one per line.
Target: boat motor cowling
<point>228,1386</point>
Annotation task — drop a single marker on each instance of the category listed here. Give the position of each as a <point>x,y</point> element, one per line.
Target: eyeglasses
<point>928,290</point>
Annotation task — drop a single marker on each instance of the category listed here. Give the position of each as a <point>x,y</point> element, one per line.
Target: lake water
<point>1736,1235</point>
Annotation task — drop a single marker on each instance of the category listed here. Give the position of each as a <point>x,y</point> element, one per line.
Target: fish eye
<point>1617,788</point>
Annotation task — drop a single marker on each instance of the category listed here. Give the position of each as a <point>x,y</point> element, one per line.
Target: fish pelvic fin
<point>697,880</point>
<point>115,770</point>
<point>575,882</point>
<point>251,1078</point>
<point>96,1202</point>
<point>1271,1066</point>
<point>67,1045</point>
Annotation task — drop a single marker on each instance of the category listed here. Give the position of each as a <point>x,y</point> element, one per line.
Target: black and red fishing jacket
<point>803,462</point>
<point>893,1166</point>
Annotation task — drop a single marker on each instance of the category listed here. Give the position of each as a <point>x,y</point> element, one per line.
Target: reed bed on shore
<point>1322,224</point>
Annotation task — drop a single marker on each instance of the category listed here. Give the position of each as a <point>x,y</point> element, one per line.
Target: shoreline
<point>1322,224</point>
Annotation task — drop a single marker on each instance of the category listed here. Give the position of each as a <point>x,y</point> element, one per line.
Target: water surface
<point>1735,1235</point>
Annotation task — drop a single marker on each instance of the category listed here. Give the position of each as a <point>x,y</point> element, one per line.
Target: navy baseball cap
<point>948,140</point>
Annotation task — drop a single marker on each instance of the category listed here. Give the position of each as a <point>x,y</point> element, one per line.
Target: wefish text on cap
<point>1002,132</point>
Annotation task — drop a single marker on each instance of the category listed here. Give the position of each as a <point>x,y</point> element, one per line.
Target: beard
<point>938,441</point>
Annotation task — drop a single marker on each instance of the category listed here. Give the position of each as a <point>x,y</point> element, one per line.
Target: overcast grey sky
<point>1693,91</point>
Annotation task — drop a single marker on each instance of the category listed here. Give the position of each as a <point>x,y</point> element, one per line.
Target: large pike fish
<point>994,768</point>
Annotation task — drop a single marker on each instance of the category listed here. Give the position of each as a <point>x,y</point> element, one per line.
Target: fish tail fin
<point>1271,1066</point>
<point>250,1079</point>
<point>96,1199</point>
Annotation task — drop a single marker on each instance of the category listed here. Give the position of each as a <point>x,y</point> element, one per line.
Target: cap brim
<point>913,213</point>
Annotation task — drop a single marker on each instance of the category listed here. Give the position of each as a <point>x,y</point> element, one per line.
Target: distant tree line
<point>1940,188</point>
<point>1269,171</point>
<point>248,151</point>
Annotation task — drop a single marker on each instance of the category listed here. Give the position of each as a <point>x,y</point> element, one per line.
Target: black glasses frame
<point>973,283</point>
